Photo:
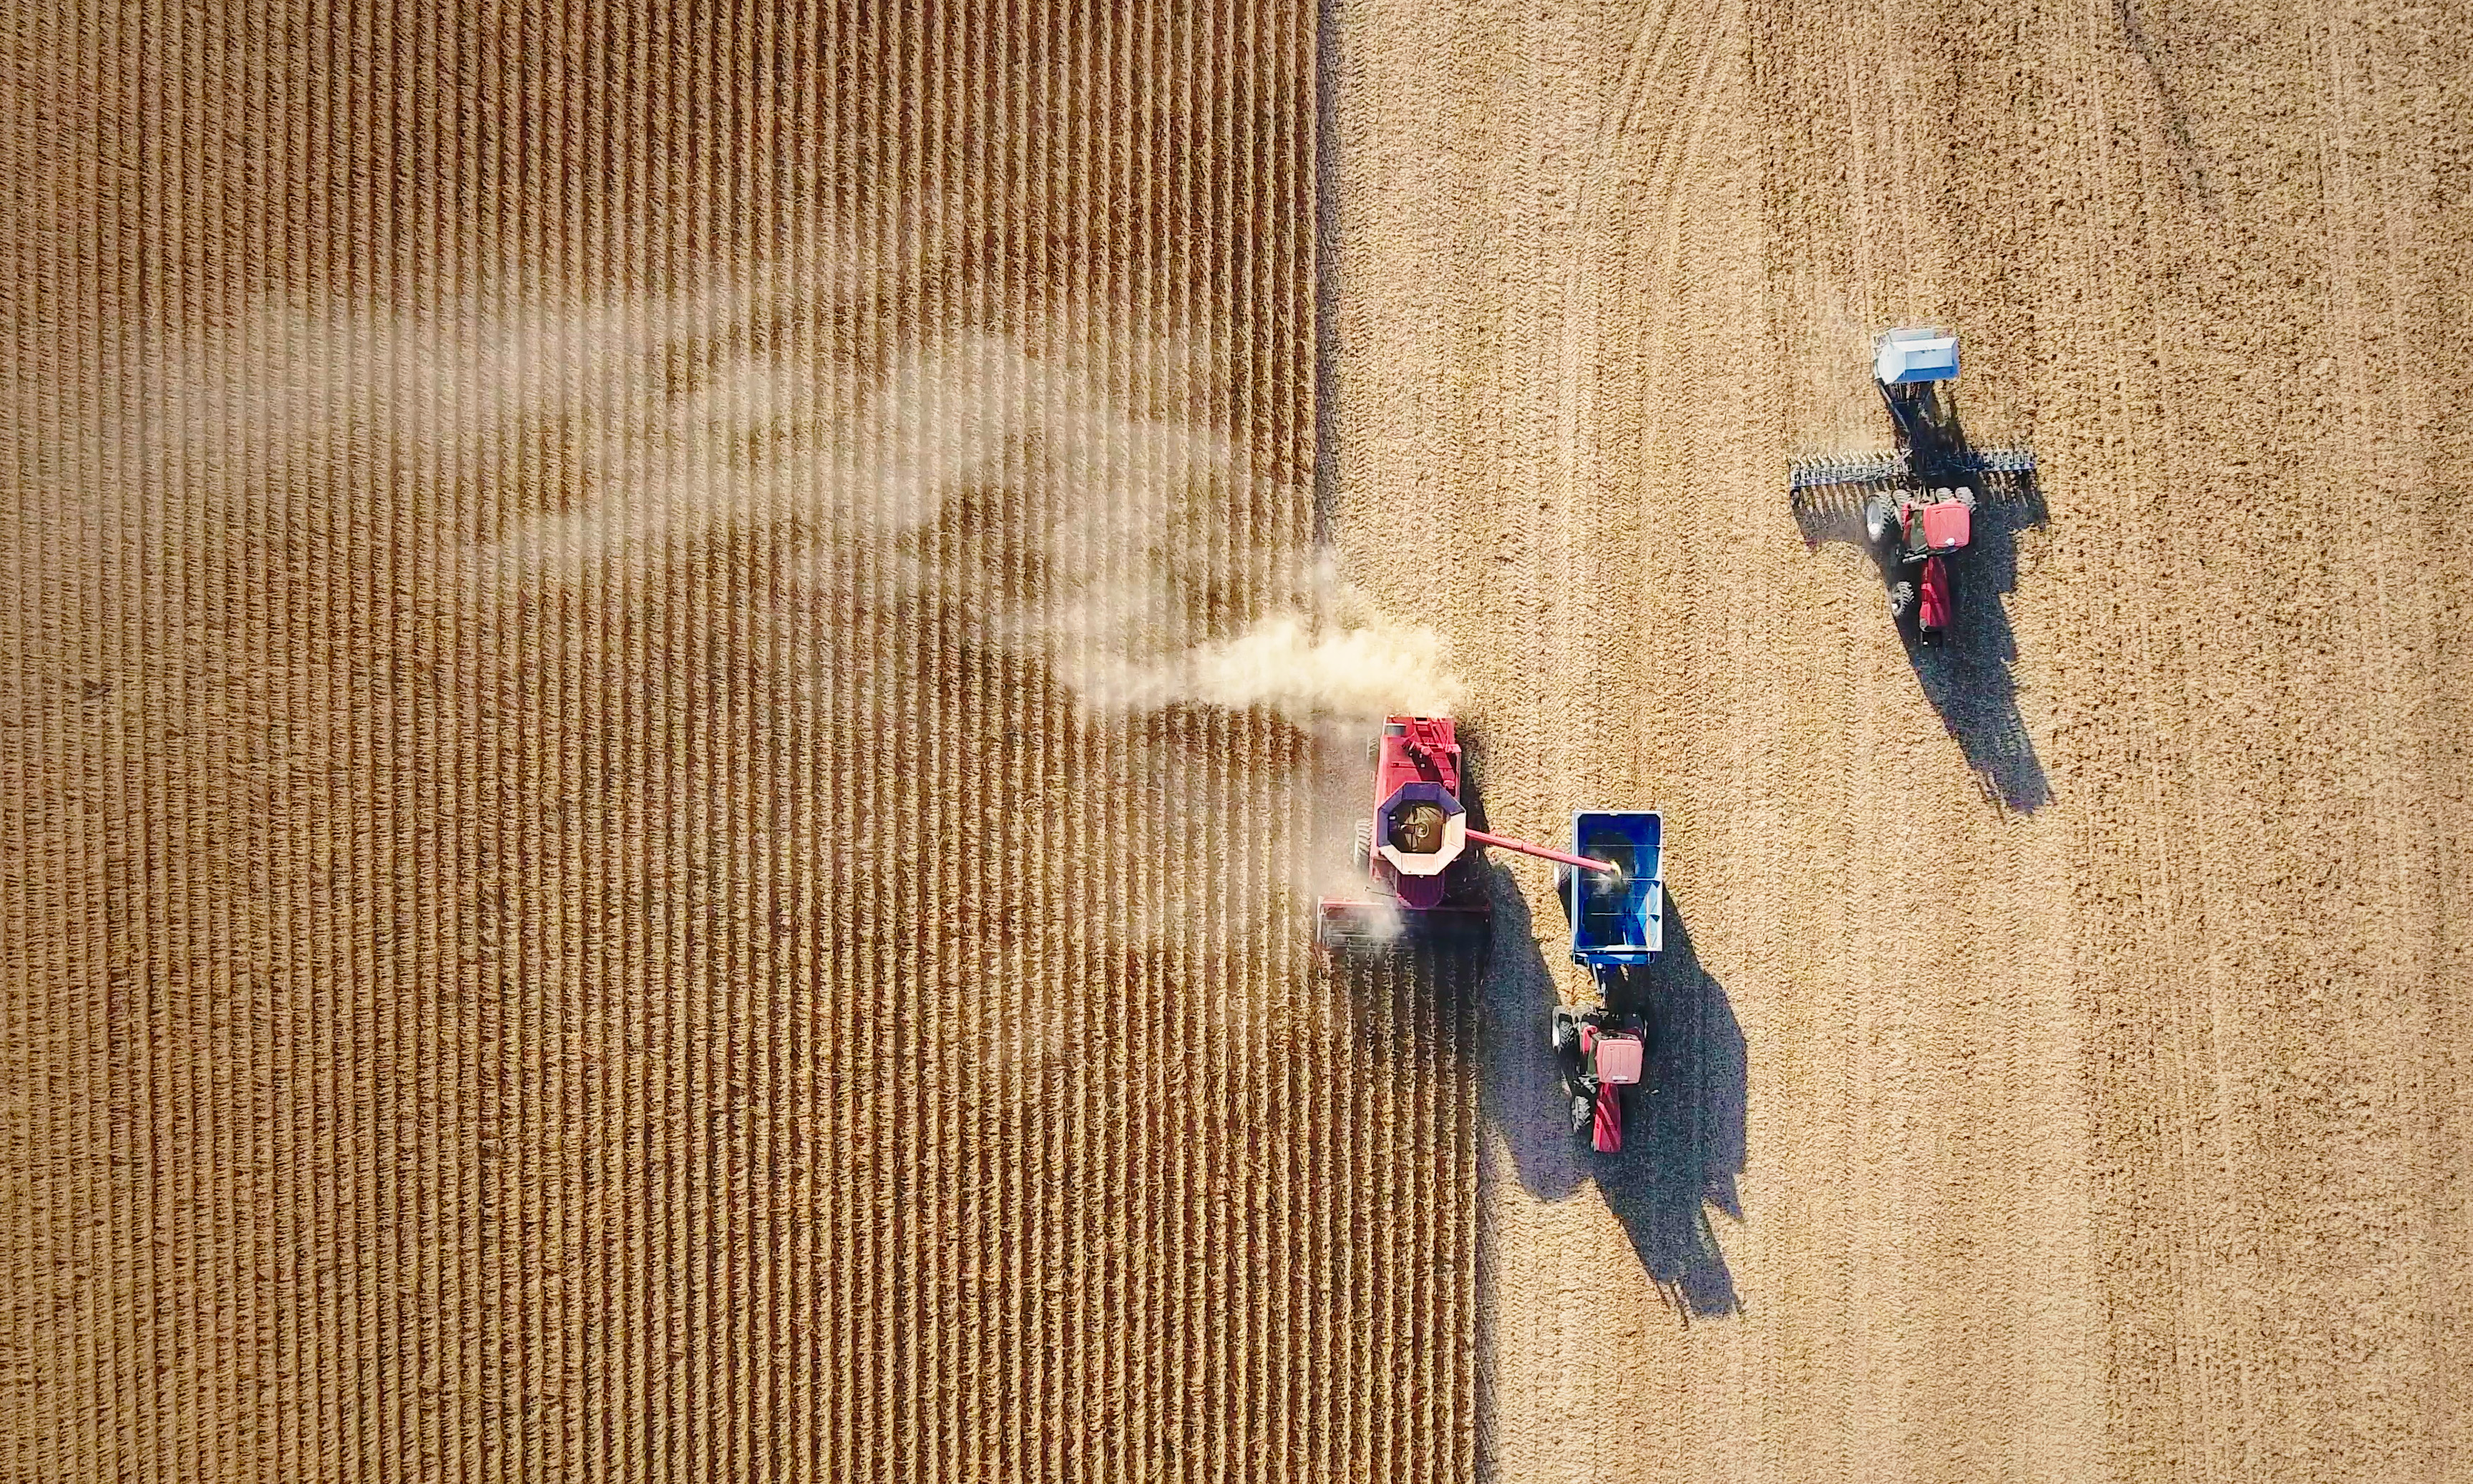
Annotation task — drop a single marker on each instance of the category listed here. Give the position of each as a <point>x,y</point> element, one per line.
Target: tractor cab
<point>1945,524</point>
<point>1601,1052</point>
<point>1614,1055</point>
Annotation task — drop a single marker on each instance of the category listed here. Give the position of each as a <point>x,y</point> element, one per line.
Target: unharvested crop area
<point>654,769</point>
<point>674,679</point>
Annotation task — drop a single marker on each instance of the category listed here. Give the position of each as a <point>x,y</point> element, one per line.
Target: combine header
<point>1413,853</point>
<point>1918,503</point>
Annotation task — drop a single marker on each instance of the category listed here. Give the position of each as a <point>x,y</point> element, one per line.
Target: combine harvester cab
<point>1618,924</point>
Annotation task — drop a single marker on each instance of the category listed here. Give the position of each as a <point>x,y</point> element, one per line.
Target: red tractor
<point>1919,501</point>
<point>1618,930</point>
<point>1600,1052</point>
<point>1916,532</point>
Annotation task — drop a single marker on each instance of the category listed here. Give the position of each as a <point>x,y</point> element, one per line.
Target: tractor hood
<point>1945,526</point>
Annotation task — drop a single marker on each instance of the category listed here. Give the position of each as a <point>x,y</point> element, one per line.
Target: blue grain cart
<point>1617,924</point>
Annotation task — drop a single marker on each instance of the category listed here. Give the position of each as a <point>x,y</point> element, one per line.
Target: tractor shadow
<point>1683,1140</point>
<point>1969,676</point>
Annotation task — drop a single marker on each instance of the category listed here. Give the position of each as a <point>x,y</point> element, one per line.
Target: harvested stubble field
<point>669,707</point>
<point>2065,1078</point>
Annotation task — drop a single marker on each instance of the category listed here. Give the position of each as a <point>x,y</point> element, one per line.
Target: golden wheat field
<point>676,677</point>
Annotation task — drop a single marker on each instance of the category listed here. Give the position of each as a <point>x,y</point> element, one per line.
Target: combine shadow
<point>1683,1139</point>
<point>1969,676</point>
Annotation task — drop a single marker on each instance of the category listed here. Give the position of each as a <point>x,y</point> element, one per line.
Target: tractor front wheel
<point>1878,517</point>
<point>1902,599</point>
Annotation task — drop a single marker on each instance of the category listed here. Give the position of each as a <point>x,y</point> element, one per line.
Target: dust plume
<point>639,431</point>
<point>1056,486</point>
<point>1152,586</point>
<point>1334,659</point>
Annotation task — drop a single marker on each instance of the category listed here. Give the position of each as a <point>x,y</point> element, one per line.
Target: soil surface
<point>2063,1032</point>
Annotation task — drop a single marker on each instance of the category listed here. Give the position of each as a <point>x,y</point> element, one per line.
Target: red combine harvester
<point>1414,846</point>
<point>1413,853</point>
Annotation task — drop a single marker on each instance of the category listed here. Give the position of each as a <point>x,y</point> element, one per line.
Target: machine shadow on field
<point>1968,676</point>
<point>1683,1138</point>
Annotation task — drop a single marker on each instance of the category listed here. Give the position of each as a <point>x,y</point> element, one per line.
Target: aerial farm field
<point>676,680</point>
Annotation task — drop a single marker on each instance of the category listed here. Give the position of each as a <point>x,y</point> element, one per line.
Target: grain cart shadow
<point>1969,677</point>
<point>1683,1139</point>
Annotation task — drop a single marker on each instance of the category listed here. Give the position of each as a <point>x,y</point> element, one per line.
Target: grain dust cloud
<point>722,422</point>
<point>681,426</point>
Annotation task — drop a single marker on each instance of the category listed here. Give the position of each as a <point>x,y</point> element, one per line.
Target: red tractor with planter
<point>1918,502</point>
